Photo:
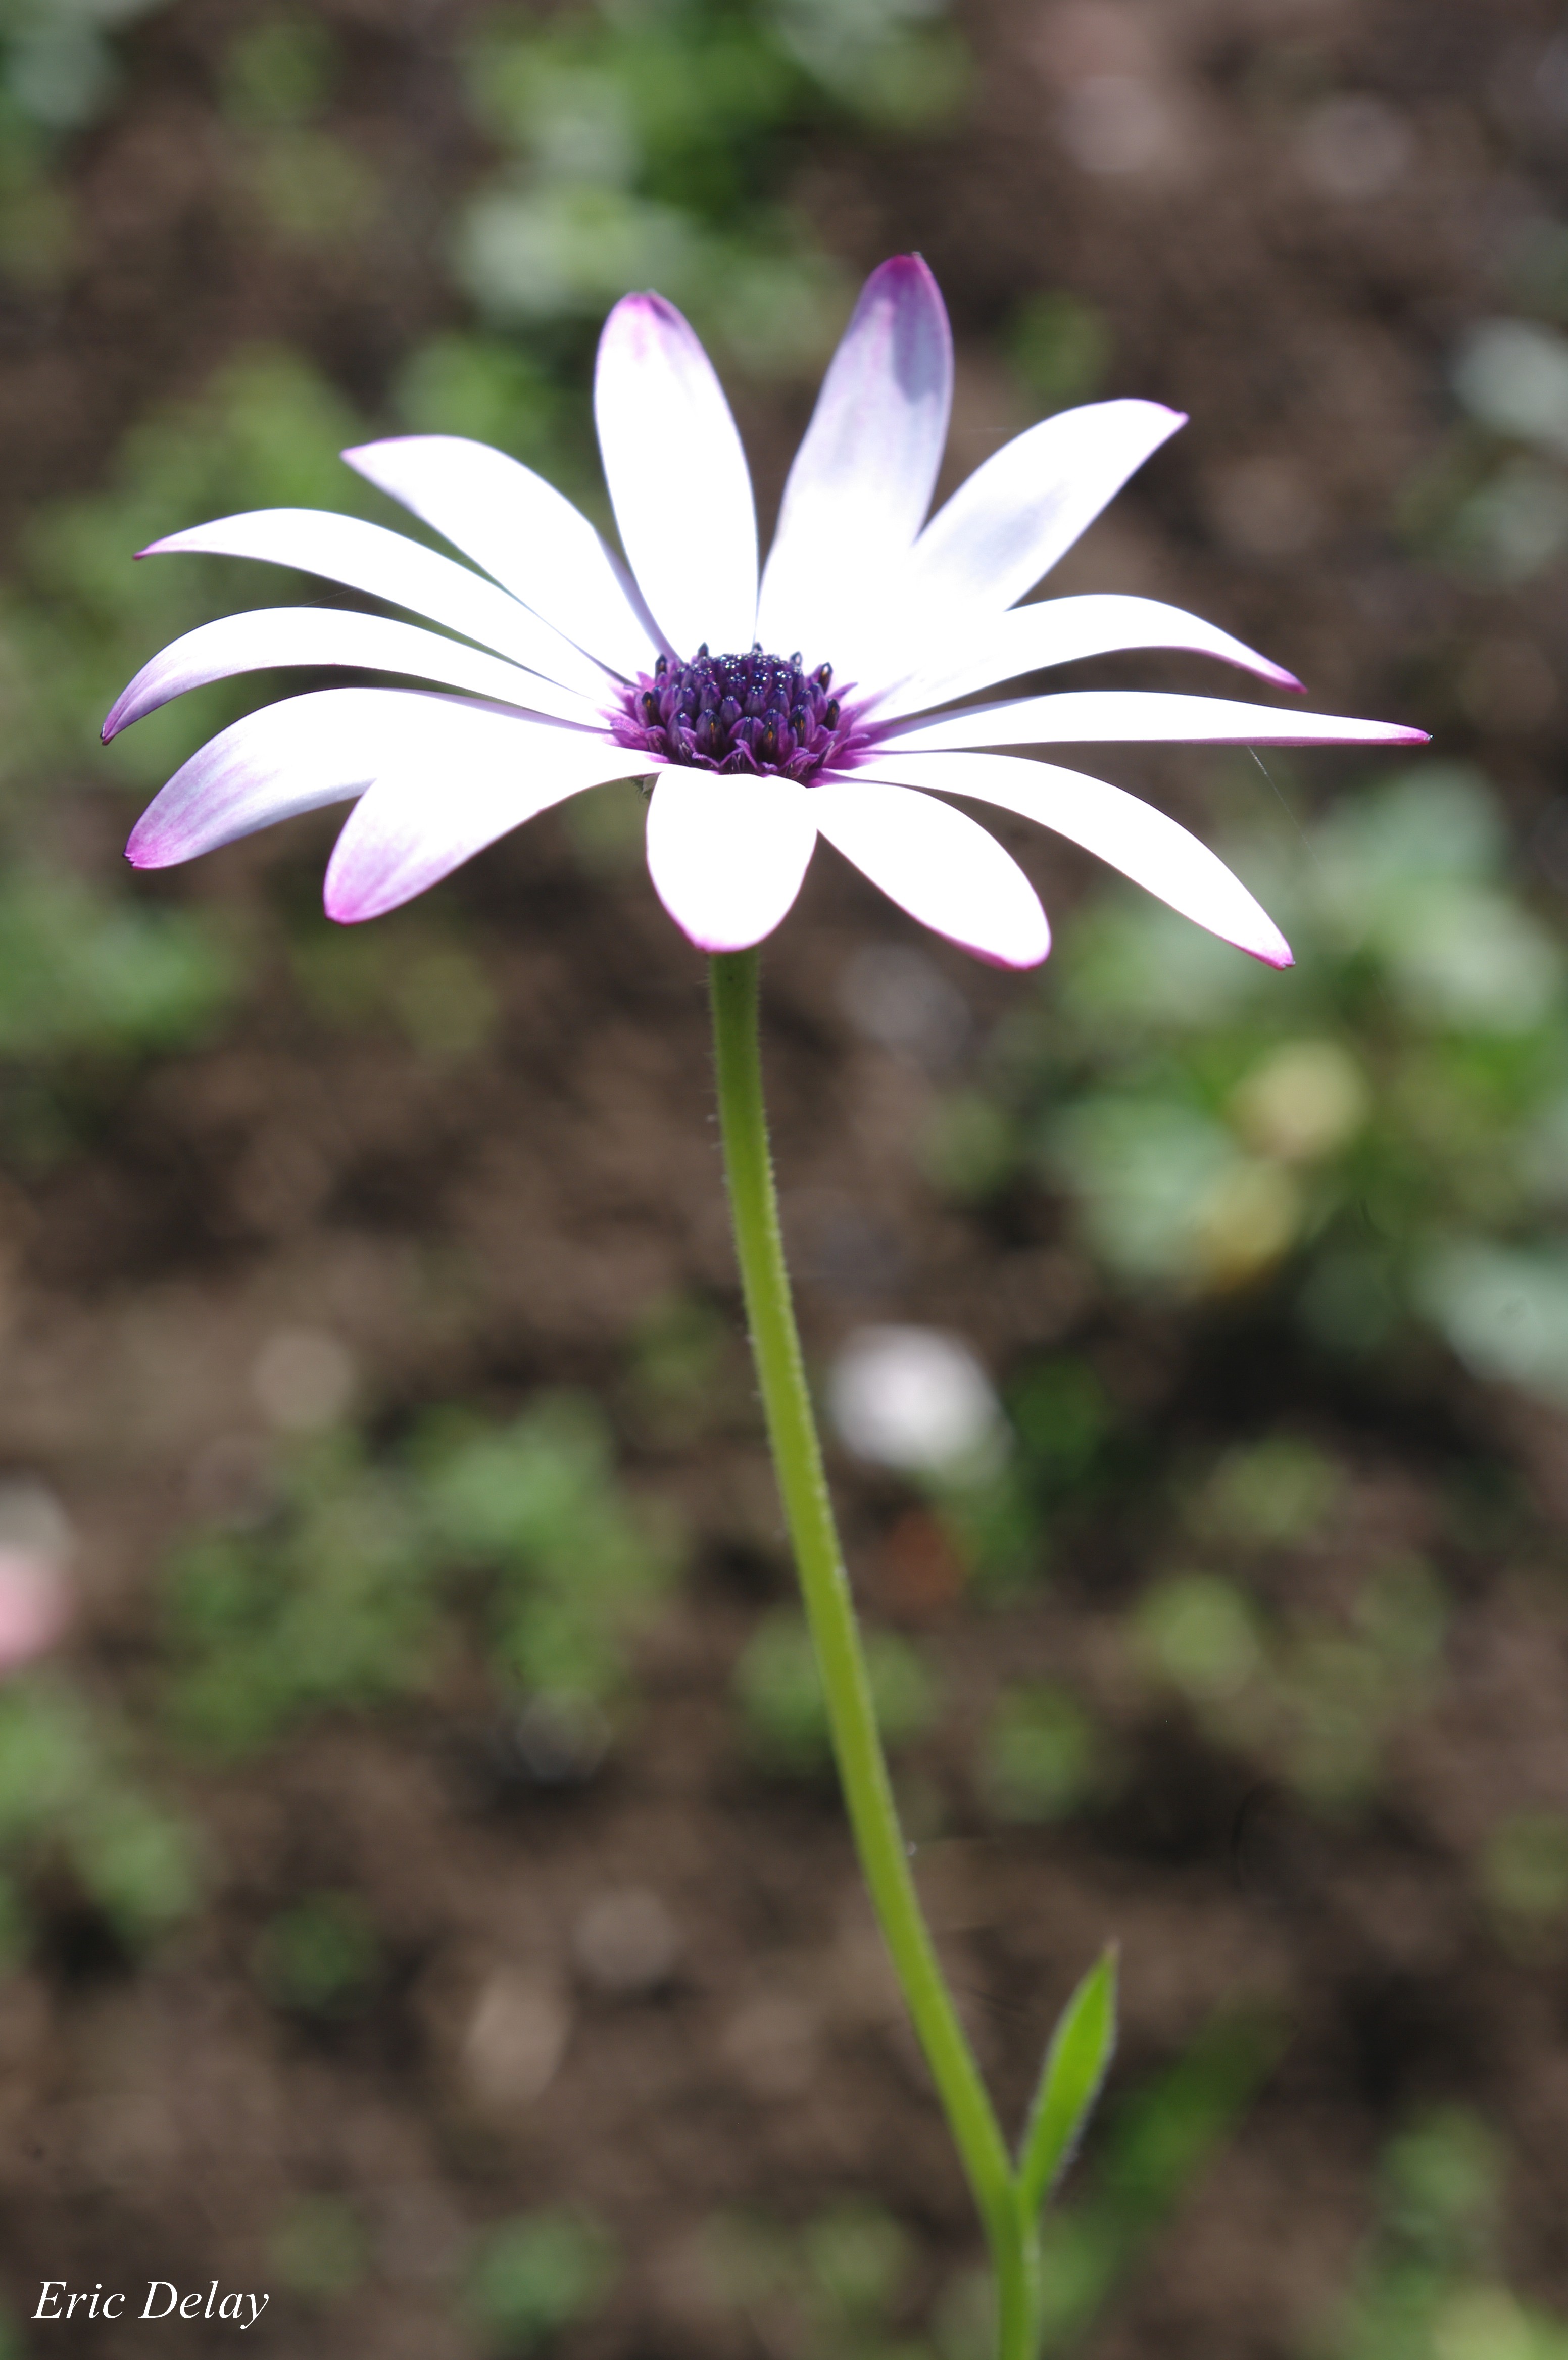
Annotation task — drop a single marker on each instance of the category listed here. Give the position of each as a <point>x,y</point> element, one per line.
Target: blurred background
<point>422,1894</point>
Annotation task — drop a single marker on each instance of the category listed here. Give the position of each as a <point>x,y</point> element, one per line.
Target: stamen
<point>756,713</point>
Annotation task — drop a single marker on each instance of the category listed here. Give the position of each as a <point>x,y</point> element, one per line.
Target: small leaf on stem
<point>1076,2064</point>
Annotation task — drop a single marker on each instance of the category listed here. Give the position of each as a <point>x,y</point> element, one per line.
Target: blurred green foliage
<point>680,1377</point>
<point>1430,2284</point>
<point>79,972</point>
<point>1308,1693</point>
<point>346,1594</point>
<point>781,1701</point>
<point>651,143</point>
<point>58,67</point>
<point>1376,1138</point>
<point>1058,347</point>
<point>318,2248</point>
<point>1063,1445</point>
<point>279,72</point>
<point>834,2288</point>
<point>80,618</point>
<point>1524,1882</point>
<point>70,1808</point>
<point>1273,1493</point>
<point>319,1957</point>
<point>279,77</point>
<point>435,990</point>
<point>495,388</point>
<point>532,2277</point>
<point>330,1603</point>
<point>1042,1755</point>
<point>1494,503</point>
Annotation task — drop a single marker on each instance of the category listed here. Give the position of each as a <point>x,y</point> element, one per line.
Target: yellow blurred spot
<point>1247,1220</point>
<point>1302,1103</point>
<point>1484,2323</point>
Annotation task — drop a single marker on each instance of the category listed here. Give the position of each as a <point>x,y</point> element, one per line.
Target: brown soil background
<point>475,1232</point>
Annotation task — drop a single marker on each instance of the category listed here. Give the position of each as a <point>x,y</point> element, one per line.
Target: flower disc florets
<point>756,713</point>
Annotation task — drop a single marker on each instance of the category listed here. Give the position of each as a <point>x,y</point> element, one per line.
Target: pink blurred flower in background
<point>36,1591</point>
<point>573,669</point>
<point>35,1608</point>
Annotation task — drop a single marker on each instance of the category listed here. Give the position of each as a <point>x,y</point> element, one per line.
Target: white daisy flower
<point>565,667</point>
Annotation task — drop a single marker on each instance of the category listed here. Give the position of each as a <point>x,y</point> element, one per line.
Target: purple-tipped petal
<point>1016,516</point>
<point>938,865</point>
<point>1059,631</point>
<point>1141,716</point>
<point>447,801</point>
<point>289,758</point>
<point>862,478</point>
<point>522,531</point>
<point>1132,836</point>
<point>333,635</point>
<point>727,854</point>
<point>677,478</point>
<point>388,565</point>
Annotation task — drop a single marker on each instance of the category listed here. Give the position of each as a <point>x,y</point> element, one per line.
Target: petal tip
<point>1030,947</point>
<point>646,303</point>
<point>1012,962</point>
<point>344,906</point>
<point>362,456</point>
<point>903,267</point>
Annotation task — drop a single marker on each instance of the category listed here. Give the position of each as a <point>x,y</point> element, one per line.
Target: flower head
<point>825,700</point>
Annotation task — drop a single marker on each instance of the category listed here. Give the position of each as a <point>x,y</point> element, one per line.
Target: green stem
<point>857,1743</point>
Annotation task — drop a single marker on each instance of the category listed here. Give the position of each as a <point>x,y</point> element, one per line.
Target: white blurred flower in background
<point>915,1399</point>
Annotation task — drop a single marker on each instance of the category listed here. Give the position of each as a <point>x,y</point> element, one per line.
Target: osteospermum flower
<point>821,702</point>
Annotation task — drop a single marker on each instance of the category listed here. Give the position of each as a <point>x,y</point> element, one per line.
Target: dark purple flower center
<point>755,712</point>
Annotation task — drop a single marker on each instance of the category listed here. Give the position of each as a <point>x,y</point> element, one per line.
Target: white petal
<point>727,854</point>
<point>1153,850</point>
<point>1139,717</point>
<point>862,478</point>
<point>677,478</point>
<point>522,531</point>
<point>388,566</point>
<point>448,798</point>
<point>1016,515</point>
<point>289,758</point>
<point>1059,631</point>
<point>334,635</point>
<point>938,865</point>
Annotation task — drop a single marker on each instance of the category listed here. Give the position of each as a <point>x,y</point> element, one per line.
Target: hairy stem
<point>857,1743</point>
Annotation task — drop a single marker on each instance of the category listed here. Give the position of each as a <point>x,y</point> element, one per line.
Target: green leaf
<point>1076,2064</point>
